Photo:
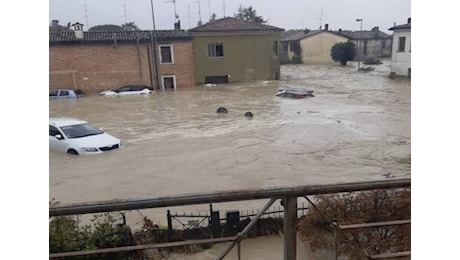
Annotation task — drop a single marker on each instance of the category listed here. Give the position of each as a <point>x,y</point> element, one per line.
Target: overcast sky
<point>286,14</point>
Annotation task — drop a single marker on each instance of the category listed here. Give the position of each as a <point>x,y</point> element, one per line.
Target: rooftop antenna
<point>224,6</point>
<point>209,9</point>
<point>176,16</point>
<point>126,16</point>
<point>321,19</point>
<point>199,12</point>
<point>188,12</point>
<point>86,17</point>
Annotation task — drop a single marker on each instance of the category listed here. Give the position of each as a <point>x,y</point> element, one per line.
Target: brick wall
<point>102,66</point>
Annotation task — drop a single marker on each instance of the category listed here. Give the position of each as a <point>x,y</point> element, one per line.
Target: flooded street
<point>356,128</point>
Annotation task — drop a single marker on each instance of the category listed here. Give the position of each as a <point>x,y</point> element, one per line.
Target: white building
<point>401,49</point>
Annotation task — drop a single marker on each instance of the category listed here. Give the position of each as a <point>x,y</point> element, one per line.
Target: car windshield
<point>81,130</point>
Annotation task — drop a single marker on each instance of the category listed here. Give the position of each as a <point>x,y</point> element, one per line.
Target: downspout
<point>139,60</point>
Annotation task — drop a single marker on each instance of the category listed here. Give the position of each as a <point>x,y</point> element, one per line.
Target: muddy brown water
<point>356,128</point>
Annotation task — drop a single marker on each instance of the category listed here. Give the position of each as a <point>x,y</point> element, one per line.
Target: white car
<point>128,90</point>
<point>75,136</point>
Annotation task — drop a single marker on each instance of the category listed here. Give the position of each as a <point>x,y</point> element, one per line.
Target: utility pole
<point>154,46</point>
<point>359,41</point>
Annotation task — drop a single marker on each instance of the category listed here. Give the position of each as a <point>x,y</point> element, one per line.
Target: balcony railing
<point>288,195</point>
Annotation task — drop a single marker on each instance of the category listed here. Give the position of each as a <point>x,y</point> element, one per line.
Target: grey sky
<point>287,14</point>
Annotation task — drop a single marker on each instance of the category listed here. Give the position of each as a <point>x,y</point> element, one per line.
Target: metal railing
<point>288,196</point>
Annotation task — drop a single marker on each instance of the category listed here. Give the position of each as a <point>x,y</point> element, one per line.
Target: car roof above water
<point>64,121</point>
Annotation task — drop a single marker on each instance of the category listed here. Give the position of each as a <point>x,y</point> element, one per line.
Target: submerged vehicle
<point>295,93</point>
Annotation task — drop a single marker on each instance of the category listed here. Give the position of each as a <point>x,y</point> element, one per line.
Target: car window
<point>53,93</point>
<point>64,93</point>
<point>54,131</point>
<point>123,89</point>
<point>137,88</point>
<point>80,130</point>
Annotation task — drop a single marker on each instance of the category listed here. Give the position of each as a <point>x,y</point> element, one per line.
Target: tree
<point>249,15</point>
<point>343,52</point>
<point>55,26</point>
<point>359,208</point>
<point>106,28</point>
<point>131,26</point>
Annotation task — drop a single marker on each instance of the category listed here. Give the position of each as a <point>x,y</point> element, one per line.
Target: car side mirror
<point>58,136</point>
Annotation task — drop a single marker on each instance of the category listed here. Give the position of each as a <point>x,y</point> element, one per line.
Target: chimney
<point>78,28</point>
<point>375,31</point>
<point>177,25</point>
<point>408,20</point>
<point>326,27</point>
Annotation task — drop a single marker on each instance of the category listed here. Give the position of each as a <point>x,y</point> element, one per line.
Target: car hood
<point>96,140</point>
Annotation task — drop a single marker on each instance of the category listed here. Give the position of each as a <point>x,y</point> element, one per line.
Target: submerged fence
<point>288,196</point>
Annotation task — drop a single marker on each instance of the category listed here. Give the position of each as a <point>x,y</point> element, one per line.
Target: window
<point>169,82</point>
<point>384,44</point>
<point>166,54</point>
<point>275,48</point>
<point>215,50</point>
<point>53,93</point>
<point>54,131</point>
<point>402,44</point>
<point>63,93</point>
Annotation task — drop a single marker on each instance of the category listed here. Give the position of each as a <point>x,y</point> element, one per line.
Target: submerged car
<point>128,90</point>
<point>78,137</point>
<point>295,93</point>
<point>64,93</point>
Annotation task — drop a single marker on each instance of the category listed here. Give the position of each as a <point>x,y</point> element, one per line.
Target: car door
<point>56,144</point>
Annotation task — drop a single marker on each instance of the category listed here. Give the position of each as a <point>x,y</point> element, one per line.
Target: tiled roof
<point>295,36</point>
<point>89,36</point>
<point>229,24</point>
<point>363,34</point>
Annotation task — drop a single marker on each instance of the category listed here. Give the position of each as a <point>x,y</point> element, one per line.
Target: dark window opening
<point>216,50</point>
<point>168,82</point>
<point>402,44</point>
<point>216,79</point>
<point>166,54</point>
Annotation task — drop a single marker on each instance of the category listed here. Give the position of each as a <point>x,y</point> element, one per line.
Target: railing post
<point>170,228</point>
<point>289,226</point>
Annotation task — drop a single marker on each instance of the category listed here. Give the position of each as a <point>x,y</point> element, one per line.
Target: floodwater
<point>356,128</point>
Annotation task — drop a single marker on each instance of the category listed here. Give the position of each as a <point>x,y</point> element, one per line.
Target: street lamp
<point>359,41</point>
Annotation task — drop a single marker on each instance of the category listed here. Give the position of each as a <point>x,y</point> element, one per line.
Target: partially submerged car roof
<point>64,121</point>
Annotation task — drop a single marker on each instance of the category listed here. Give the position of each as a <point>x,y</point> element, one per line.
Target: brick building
<point>96,61</point>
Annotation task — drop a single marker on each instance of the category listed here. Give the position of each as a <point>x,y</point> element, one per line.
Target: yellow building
<point>311,46</point>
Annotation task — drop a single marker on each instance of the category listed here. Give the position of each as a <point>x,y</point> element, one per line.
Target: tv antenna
<point>86,17</point>
<point>224,6</point>
<point>321,19</point>
<point>199,12</point>
<point>125,15</point>
<point>176,16</point>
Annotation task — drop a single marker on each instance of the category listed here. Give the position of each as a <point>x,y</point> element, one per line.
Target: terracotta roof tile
<point>69,36</point>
